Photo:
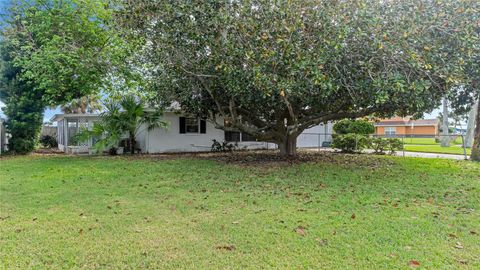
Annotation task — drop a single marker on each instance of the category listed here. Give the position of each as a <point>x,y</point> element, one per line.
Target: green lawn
<point>423,141</point>
<point>429,141</point>
<point>453,149</point>
<point>339,212</point>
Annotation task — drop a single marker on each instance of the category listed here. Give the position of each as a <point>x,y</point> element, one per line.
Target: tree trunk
<point>476,138</point>
<point>288,147</point>
<point>132,143</point>
<point>471,124</point>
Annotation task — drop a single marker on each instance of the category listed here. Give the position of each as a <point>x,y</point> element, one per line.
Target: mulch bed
<point>256,158</point>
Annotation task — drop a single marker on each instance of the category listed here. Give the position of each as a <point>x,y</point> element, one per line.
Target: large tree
<point>274,68</point>
<point>59,51</point>
<point>24,107</point>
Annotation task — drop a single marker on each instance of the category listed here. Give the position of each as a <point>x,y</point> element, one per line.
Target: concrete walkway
<point>431,155</point>
<point>406,154</point>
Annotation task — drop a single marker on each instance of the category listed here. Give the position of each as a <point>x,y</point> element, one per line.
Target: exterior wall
<point>316,136</point>
<point>408,130</point>
<point>422,130</point>
<point>170,139</point>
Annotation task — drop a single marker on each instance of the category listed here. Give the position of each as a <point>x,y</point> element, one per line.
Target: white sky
<point>50,112</point>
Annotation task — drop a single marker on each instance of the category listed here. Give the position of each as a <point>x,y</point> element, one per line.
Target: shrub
<point>394,145</point>
<point>380,145</point>
<point>350,143</point>
<point>223,146</point>
<point>352,135</point>
<point>347,126</point>
<point>48,141</point>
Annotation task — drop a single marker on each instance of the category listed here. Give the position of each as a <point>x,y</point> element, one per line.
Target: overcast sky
<point>49,113</point>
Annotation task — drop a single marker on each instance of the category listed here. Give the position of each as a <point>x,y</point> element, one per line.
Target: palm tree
<point>126,116</point>
<point>86,104</point>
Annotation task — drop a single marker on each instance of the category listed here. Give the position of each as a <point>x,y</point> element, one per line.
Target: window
<point>235,136</point>
<point>72,129</point>
<point>232,136</point>
<point>192,125</point>
<point>248,138</point>
<point>390,130</point>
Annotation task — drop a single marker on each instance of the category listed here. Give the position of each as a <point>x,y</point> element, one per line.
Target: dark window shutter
<point>182,125</point>
<point>203,126</point>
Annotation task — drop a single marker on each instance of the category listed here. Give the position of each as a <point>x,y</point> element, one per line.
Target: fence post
<point>464,147</point>
<point>319,145</point>
<point>356,142</point>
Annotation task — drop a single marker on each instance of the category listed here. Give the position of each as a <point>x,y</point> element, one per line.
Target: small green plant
<point>125,116</point>
<point>394,145</point>
<point>223,146</point>
<point>347,126</point>
<point>48,141</point>
<point>381,145</point>
<point>352,135</point>
<point>350,143</point>
<point>378,145</point>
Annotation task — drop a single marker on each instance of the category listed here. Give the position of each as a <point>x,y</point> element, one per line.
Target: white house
<point>184,134</point>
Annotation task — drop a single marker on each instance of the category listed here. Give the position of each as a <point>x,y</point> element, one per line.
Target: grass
<point>341,212</point>
<point>452,149</point>
<point>422,141</point>
<point>429,141</point>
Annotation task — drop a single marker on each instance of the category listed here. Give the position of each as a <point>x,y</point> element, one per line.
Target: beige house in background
<point>406,127</point>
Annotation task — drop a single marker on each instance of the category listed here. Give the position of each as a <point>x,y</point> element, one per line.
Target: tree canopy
<point>274,68</point>
<point>53,52</point>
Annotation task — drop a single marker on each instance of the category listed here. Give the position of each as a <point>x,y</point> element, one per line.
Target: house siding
<point>408,130</point>
<point>161,140</point>
<point>170,139</point>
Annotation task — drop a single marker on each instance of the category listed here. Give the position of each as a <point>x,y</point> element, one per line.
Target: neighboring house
<point>184,134</point>
<point>406,127</point>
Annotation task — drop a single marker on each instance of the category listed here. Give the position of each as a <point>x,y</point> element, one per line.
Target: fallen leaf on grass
<point>452,235</point>
<point>322,242</point>
<point>473,232</point>
<point>458,245</point>
<point>226,247</point>
<point>300,230</point>
<point>414,263</point>
<point>353,216</point>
